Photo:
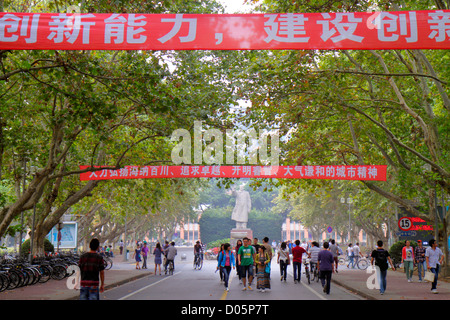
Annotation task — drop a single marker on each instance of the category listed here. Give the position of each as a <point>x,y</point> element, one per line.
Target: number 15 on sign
<point>404,224</point>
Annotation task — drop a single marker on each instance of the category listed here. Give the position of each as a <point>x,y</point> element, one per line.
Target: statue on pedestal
<point>242,207</point>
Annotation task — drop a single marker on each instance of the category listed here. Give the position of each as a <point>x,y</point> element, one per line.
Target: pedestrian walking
<point>408,260</point>
<point>269,252</point>
<point>92,273</point>
<point>262,269</point>
<point>238,267</point>
<point>356,253</point>
<point>419,254</point>
<point>226,261</point>
<point>283,260</point>
<point>334,250</point>
<point>382,259</point>
<point>144,251</point>
<point>297,253</point>
<point>218,264</point>
<point>137,256</point>
<point>325,264</point>
<point>158,259</point>
<point>350,256</point>
<point>434,258</point>
<point>121,247</point>
<point>246,258</point>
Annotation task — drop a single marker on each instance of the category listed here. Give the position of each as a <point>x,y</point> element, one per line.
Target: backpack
<point>381,258</point>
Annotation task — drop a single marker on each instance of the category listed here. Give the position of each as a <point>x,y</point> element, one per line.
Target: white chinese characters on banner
<point>11,24</point>
<point>237,171</point>
<point>428,29</point>
<point>178,21</point>
<point>391,26</point>
<point>287,27</point>
<point>440,24</point>
<point>67,27</point>
<point>343,27</point>
<point>115,28</point>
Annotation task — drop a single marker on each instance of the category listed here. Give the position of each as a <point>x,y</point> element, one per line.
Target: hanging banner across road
<point>114,31</point>
<point>371,173</point>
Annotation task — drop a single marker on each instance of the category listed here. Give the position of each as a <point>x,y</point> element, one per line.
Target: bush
<point>217,243</point>
<point>396,250</point>
<point>48,247</point>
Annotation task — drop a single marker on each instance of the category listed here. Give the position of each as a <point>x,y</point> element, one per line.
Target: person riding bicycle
<point>170,252</point>
<point>198,251</point>
<point>314,254</point>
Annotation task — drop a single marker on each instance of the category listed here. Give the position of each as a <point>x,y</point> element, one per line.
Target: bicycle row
<point>18,272</point>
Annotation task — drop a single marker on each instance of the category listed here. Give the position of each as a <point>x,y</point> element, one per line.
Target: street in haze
<point>189,284</point>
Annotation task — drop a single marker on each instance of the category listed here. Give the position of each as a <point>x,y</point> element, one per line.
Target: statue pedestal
<point>237,234</point>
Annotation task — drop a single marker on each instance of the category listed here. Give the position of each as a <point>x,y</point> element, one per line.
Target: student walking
<point>419,254</point>
<point>334,250</point>
<point>283,260</point>
<point>238,267</point>
<point>351,256</point>
<point>381,258</point>
<point>262,269</point>
<point>325,264</point>
<point>144,251</point>
<point>225,262</point>
<point>408,260</point>
<point>158,258</point>
<point>297,253</point>
<point>434,258</point>
<point>137,256</point>
<point>92,272</point>
<point>246,258</point>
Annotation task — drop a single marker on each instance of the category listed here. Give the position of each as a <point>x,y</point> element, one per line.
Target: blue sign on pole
<point>329,229</point>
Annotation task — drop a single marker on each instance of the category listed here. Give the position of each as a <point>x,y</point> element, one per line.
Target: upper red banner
<point>99,31</point>
<point>373,173</point>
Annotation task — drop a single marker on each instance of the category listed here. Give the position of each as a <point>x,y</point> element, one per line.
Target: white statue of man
<point>242,207</point>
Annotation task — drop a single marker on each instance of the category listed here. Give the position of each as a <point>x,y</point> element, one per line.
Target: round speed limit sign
<point>404,223</point>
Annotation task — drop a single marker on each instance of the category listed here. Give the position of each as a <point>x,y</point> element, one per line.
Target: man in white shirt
<point>434,258</point>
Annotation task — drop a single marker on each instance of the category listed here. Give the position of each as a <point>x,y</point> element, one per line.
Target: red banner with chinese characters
<point>371,173</point>
<point>341,30</point>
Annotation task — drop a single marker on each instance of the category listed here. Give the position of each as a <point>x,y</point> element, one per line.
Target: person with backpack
<point>381,258</point>
<point>225,261</point>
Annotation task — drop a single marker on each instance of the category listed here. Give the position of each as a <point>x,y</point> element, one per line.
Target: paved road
<point>190,284</point>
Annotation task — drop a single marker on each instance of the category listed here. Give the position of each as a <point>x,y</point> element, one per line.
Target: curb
<point>358,292</point>
<point>117,283</point>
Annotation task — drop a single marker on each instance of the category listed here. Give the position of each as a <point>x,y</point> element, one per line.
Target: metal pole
<point>125,239</point>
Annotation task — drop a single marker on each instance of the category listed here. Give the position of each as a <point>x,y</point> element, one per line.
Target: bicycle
<point>362,263</point>
<point>170,267</point>
<point>198,262</point>
<point>307,273</point>
<point>314,271</point>
<point>107,262</point>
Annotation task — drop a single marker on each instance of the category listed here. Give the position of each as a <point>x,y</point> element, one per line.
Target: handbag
<point>429,276</point>
<point>267,270</point>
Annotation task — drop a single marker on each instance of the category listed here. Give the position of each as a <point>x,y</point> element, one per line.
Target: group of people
<point>253,260</point>
<point>430,259</point>
<point>250,260</point>
<point>168,252</point>
<point>325,260</point>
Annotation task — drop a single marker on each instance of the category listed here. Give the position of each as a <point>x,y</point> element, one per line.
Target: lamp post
<point>349,201</point>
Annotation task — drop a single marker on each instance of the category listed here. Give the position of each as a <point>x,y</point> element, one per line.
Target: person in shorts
<point>246,259</point>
